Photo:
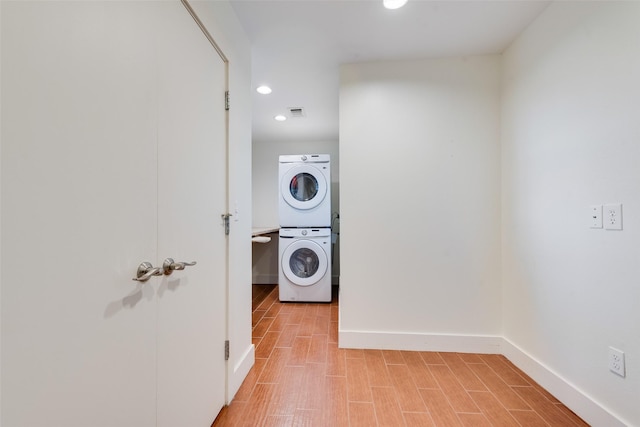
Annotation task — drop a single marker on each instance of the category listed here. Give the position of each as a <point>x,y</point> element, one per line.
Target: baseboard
<point>240,371</point>
<point>265,279</point>
<point>487,344</point>
<point>588,409</point>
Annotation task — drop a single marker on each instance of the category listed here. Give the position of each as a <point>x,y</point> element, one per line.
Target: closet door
<point>79,213</point>
<point>113,153</point>
<point>192,173</point>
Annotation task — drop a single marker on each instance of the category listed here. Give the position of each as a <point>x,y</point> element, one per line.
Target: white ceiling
<point>298,45</point>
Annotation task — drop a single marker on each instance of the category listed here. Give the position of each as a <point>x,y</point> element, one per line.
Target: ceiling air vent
<point>296,112</point>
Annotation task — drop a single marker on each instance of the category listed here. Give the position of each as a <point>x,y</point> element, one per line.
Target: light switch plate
<point>596,216</point>
<point>612,216</point>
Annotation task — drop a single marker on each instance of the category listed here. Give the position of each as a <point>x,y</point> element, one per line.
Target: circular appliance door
<point>304,262</point>
<point>303,187</point>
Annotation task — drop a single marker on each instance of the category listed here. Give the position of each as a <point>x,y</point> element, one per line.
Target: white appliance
<point>305,190</point>
<point>305,264</point>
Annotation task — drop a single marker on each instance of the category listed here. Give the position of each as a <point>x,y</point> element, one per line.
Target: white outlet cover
<point>616,361</point>
<point>612,216</point>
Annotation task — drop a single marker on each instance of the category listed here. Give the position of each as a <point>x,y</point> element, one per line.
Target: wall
<point>225,28</point>
<point>265,200</point>
<point>571,139</point>
<point>420,204</point>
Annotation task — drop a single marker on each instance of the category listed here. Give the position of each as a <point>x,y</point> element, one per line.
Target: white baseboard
<point>588,409</point>
<point>265,279</point>
<point>486,344</point>
<point>240,371</point>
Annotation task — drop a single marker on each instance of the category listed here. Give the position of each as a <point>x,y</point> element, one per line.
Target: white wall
<point>420,204</point>
<point>265,200</point>
<point>224,26</point>
<point>571,138</point>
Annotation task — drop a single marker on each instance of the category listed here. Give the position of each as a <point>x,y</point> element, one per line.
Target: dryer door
<point>303,187</point>
<point>304,262</point>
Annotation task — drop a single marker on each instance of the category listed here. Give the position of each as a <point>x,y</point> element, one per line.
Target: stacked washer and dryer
<point>305,228</point>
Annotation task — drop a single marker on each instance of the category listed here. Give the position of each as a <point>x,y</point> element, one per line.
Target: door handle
<point>146,270</point>
<point>169,265</point>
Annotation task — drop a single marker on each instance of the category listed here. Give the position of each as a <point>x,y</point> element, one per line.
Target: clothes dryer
<point>305,264</point>
<point>305,190</point>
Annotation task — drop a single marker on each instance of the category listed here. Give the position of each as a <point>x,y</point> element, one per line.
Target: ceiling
<point>298,46</point>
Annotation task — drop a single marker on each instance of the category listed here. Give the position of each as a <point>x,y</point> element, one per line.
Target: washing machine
<point>305,190</point>
<point>305,264</point>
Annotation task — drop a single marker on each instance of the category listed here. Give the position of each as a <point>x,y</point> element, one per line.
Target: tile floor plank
<point>499,388</point>
<point>358,389</point>
<point>318,349</point>
<point>279,322</point>
<point>456,394</point>
<point>336,361</point>
<point>274,366</point>
<point>267,344</point>
<point>504,371</point>
<point>405,388</point>
<point>474,420</point>
<point>421,374</point>
<point>529,418</point>
<point>464,375</point>
<point>493,409</point>
<point>262,326</point>
<point>362,414</point>
<point>385,402</point>
<point>299,350</point>
<point>335,411</point>
<point>432,358</point>
<point>287,335</point>
<point>245,390</point>
<point>393,357</point>
<point>439,408</point>
<point>417,419</point>
<point>376,369</point>
<point>544,407</point>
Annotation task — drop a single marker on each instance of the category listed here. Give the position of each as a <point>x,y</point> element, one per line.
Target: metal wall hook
<point>145,271</point>
<point>169,265</point>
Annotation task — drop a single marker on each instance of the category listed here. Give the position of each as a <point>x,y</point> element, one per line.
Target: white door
<point>90,139</point>
<point>192,303</point>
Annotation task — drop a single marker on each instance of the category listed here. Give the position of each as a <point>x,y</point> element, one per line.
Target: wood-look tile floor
<point>302,378</point>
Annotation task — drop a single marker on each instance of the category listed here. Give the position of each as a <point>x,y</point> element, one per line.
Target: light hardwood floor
<point>302,378</point>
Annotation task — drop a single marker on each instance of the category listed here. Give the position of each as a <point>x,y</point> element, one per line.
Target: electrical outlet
<point>596,216</point>
<point>613,217</point>
<point>616,361</point>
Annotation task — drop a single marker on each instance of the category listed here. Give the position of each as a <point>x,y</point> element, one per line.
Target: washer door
<point>304,262</point>
<point>303,187</point>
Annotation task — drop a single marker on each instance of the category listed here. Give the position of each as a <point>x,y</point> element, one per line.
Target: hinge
<point>225,221</point>
<point>226,350</point>
<point>226,100</point>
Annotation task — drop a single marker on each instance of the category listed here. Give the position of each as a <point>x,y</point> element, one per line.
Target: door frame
<point>225,60</point>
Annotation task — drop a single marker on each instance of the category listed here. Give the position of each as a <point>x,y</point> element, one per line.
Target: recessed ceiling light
<point>280,118</point>
<point>394,4</point>
<point>264,90</point>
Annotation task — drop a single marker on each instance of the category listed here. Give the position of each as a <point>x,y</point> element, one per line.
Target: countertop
<point>259,231</point>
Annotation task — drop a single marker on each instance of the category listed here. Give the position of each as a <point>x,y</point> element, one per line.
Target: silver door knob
<point>169,265</point>
<point>146,270</point>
